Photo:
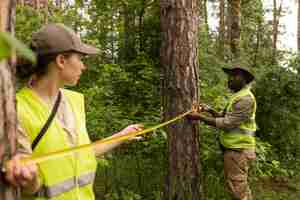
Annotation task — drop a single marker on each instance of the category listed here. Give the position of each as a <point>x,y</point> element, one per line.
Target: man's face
<point>236,81</point>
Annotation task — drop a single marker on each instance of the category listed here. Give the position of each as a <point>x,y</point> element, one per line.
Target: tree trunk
<point>7,102</point>
<point>205,14</point>
<point>274,25</point>
<point>46,10</point>
<point>256,49</point>
<point>58,3</point>
<point>221,29</point>
<point>298,28</point>
<point>179,24</point>
<point>20,2</point>
<point>141,33</point>
<point>112,40</point>
<point>276,16</point>
<point>37,4</point>
<point>235,26</point>
<point>128,51</point>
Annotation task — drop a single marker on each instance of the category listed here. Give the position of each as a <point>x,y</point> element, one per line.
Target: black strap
<point>48,122</point>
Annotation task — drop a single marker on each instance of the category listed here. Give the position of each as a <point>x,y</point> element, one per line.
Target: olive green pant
<point>236,166</point>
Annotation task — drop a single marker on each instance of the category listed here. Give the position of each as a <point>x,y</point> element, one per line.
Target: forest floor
<point>276,188</point>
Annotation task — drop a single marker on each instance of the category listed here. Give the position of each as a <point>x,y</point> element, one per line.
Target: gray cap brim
<point>88,50</point>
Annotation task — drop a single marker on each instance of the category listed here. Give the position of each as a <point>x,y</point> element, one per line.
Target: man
<point>238,123</point>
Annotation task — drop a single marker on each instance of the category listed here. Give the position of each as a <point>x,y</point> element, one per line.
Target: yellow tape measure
<point>109,140</point>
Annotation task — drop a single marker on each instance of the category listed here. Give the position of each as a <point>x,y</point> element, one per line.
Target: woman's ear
<point>60,61</point>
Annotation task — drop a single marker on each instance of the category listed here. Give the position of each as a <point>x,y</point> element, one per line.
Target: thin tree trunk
<point>46,11</point>
<point>276,16</point>
<point>258,38</point>
<point>298,28</point>
<point>227,24</point>
<point>235,27</point>
<point>7,102</point>
<point>21,2</point>
<point>37,4</point>
<point>112,39</point>
<point>275,25</point>
<point>179,24</point>
<point>128,51</point>
<point>141,35</point>
<point>205,15</point>
<point>58,3</point>
<point>221,29</point>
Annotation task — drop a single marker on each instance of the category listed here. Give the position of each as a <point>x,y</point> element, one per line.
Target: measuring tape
<point>52,155</point>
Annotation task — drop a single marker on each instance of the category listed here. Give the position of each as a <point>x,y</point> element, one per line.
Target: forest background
<point>123,85</point>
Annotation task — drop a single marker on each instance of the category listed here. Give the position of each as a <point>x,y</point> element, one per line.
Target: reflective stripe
<point>55,190</point>
<point>242,131</point>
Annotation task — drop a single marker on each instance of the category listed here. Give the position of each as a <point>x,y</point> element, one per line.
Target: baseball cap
<point>58,38</point>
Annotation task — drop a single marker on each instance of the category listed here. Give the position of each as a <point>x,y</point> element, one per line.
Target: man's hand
<point>19,175</point>
<point>203,118</point>
<point>194,116</point>
<point>207,108</point>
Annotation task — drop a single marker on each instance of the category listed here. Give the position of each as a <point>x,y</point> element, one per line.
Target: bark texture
<point>7,103</point>
<point>34,3</point>
<point>235,26</point>
<point>179,25</point>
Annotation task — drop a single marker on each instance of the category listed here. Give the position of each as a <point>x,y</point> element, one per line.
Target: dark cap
<point>57,38</point>
<point>247,74</point>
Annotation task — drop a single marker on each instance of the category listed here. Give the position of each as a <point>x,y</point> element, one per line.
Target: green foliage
<point>279,111</point>
<point>124,194</point>
<point>121,86</point>
<point>8,43</point>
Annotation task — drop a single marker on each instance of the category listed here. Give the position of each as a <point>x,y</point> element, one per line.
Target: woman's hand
<point>19,175</point>
<point>130,129</point>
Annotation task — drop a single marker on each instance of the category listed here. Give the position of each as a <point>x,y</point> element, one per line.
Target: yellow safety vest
<point>242,137</point>
<point>65,178</point>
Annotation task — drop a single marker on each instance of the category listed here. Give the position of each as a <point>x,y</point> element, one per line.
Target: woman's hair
<point>25,69</point>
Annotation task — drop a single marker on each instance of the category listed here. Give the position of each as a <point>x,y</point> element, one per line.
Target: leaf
<point>5,48</point>
<point>8,43</point>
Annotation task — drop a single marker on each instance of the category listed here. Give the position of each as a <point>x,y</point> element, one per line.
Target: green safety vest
<point>69,177</point>
<point>241,137</point>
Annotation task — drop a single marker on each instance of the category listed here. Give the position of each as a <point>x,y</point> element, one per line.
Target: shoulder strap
<point>48,122</point>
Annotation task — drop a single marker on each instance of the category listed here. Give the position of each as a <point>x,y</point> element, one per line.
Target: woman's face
<point>72,69</point>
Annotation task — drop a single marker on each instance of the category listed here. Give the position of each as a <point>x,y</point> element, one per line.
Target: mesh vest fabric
<point>69,177</point>
<point>240,137</point>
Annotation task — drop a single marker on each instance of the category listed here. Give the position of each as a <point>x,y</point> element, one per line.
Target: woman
<point>59,51</point>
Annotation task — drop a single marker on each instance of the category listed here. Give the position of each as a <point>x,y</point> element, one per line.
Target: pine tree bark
<point>7,102</point>
<point>235,26</point>
<point>179,25</point>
